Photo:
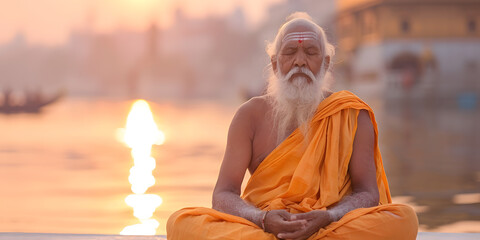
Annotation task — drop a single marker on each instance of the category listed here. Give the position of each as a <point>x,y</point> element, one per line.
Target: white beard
<point>295,102</point>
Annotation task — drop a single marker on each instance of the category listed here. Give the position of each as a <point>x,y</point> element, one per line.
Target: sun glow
<point>140,134</point>
<point>146,8</point>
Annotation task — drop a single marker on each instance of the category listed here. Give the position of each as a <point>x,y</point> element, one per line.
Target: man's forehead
<point>300,31</point>
<point>300,37</point>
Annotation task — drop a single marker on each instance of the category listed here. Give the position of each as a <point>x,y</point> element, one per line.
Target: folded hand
<point>280,221</point>
<point>314,220</point>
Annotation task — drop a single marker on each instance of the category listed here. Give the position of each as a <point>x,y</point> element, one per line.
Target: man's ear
<point>273,60</point>
<point>327,62</point>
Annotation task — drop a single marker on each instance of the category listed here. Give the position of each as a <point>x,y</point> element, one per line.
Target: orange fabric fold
<point>302,176</point>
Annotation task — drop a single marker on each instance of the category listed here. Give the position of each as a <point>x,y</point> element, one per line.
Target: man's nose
<point>300,59</point>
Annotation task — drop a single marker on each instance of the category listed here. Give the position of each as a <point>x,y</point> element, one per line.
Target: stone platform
<point>55,236</point>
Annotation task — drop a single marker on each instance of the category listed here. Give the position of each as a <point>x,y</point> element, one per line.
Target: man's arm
<point>238,153</point>
<point>226,196</point>
<point>362,170</point>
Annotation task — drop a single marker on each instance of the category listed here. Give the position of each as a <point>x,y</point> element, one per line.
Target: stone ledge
<point>61,236</point>
<point>447,236</point>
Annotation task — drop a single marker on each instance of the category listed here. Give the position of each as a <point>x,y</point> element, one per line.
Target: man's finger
<point>307,216</point>
<point>286,215</point>
<point>299,216</point>
<point>292,226</point>
<point>292,235</point>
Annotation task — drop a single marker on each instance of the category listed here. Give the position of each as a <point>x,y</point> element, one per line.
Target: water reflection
<point>65,172</point>
<point>140,134</point>
<point>431,153</point>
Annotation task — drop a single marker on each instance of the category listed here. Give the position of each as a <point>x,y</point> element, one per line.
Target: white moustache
<point>303,70</point>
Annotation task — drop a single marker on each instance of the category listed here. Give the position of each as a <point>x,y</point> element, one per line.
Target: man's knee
<point>406,216</point>
<point>389,222</point>
<point>176,224</point>
<point>400,220</point>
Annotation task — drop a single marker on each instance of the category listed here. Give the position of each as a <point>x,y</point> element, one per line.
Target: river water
<point>64,171</point>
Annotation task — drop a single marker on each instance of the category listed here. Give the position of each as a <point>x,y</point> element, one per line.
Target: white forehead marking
<point>300,36</point>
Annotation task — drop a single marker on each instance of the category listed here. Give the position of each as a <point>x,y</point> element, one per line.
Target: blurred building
<point>416,49</point>
<point>193,58</point>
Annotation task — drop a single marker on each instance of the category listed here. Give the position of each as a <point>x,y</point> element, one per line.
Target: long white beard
<point>295,102</point>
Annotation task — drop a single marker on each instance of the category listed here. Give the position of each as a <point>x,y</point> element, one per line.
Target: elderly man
<point>313,155</point>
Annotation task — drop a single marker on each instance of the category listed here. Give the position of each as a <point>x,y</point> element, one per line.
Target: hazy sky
<point>50,21</point>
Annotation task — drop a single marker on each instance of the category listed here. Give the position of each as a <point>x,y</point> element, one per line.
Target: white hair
<point>326,47</point>
<point>294,103</point>
<point>274,47</point>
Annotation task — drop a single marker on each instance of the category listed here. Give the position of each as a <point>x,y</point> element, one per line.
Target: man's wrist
<point>333,215</point>
<point>264,218</point>
<point>257,219</point>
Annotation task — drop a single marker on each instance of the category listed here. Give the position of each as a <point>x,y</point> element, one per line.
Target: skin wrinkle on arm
<point>231,203</point>
<point>351,202</point>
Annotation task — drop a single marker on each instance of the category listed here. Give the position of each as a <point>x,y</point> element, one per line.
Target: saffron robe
<point>303,177</point>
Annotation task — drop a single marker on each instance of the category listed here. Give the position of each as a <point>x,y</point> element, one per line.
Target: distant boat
<point>34,102</point>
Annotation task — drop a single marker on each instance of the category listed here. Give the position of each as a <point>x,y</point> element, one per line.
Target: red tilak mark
<point>299,41</point>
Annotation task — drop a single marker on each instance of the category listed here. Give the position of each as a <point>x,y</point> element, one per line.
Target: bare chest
<point>263,143</point>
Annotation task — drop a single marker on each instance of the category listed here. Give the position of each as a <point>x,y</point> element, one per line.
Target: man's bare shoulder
<point>255,107</point>
<point>248,116</point>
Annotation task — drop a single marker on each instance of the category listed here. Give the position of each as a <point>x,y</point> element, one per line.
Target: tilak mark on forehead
<point>300,36</point>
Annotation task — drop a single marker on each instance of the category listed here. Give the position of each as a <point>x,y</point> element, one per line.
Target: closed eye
<point>312,51</point>
<point>289,51</point>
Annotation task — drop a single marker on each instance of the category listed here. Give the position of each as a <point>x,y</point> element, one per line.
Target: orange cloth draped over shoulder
<point>301,177</point>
